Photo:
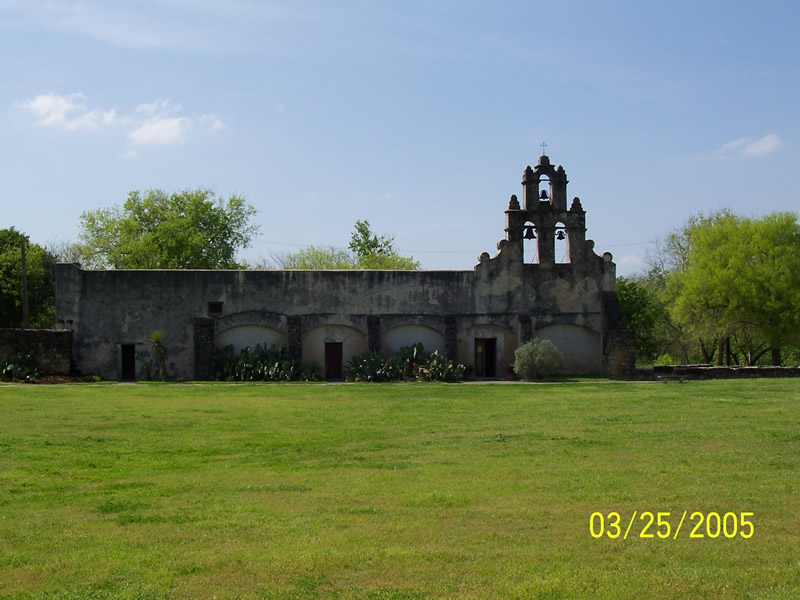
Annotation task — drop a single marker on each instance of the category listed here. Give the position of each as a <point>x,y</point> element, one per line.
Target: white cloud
<point>67,112</point>
<point>766,145</point>
<point>161,132</point>
<point>155,123</point>
<point>749,147</point>
<point>214,124</point>
<point>159,106</point>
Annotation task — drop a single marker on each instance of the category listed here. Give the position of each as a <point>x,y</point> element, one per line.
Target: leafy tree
<point>377,252</point>
<point>186,230</point>
<point>366,251</point>
<point>317,258</point>
<point>740,281</point>
<point>41,281</point>
<point>644,313</point>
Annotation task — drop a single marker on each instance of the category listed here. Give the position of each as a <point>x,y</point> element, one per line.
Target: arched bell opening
<point>544,189</point>
<point>561,239</point>
<point>530,245</point>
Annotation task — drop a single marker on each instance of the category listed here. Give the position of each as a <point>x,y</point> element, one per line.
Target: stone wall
<point>52,349</point>
<point>107,310</point>
<point>714,372</point>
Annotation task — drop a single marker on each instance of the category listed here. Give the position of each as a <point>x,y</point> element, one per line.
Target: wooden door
<point>333,360</point>
<point>480,358</point>
<point>485,357</point>
<point>128,354</point>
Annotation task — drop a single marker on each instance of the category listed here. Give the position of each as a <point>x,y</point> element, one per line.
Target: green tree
<point>366,251</point>
<point>41,281</point>
<point>317,258</point>
<point>643,312</point>
<point>186,230</point>
<point>377,252</point>
<point>741,280</point>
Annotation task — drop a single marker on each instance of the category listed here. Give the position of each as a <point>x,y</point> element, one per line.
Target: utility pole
<point>25,323</point>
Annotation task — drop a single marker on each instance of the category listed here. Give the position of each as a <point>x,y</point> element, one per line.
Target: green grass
<point>395,491</point>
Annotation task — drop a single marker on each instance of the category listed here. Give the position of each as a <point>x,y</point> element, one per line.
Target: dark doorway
<point>128,362</point>
<point>485,357</point>
<point>333,360</point>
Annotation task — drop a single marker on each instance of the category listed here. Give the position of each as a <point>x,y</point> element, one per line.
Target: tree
<point>643,312</point>
<point>186,230</point>
<point>740,281</point>
<point>317,258</point>
<point>374,252</point>
<point>41,281</point>
<point>367,251</point>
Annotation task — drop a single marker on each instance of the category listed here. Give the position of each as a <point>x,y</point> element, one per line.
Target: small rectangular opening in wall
<point>214,309</point>
<point>128,358</point>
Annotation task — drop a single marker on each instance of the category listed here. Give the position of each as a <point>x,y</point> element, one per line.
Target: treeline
<point>190,229</point>
<point>722,289</point>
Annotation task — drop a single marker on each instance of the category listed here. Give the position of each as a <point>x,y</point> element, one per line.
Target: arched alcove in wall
<point>242,336</point>
<point>332,347</point>
<point>407,335</point>
<point>581,347</point>
<point>487,349</point>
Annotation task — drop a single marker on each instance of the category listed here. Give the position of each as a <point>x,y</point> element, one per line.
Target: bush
<point>411,363</point>
<point>19,367</point>
<point>409,359</point>
<point>440,368</point>
<point>536,359</point>
<point>371,367</point>
<point>259,364</point>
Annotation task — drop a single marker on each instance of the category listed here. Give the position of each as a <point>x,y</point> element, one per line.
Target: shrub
<point>409,359</point>
<point>370,367</point>
<point>310,371</point>
<point>537,358</point>
<point>19,367</point>
<point>441,368</point>
<point>410,363</point>
<point>259,364</point>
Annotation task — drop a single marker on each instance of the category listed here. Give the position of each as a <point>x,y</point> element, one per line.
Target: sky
<point>418,116</point>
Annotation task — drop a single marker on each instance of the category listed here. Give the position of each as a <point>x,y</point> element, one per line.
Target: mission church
<point>477,317</point>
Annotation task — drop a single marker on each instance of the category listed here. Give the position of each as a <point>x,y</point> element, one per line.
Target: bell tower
<point>543,215</point>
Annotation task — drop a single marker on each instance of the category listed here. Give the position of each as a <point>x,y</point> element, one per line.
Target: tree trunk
<point>708,353</point>
<point>776,355</point>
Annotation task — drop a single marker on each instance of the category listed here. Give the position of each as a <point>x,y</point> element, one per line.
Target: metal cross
<point>543,145</point>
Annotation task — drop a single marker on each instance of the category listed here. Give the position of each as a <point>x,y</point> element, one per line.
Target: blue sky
<point>418,116</point>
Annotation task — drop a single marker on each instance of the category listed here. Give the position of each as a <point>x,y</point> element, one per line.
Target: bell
<point>543,195</point>
<point>529,235</point>
<point>561,235</point>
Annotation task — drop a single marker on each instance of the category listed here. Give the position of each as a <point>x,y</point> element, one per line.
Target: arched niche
<point>407,335</point>
<point>330,344</point>
<point>242,336</point>
<point>487,348</point>
<point>582,347</point>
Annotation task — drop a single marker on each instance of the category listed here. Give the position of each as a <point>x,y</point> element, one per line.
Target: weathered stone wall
<point>108,309</point>
<point>52,349</point>
<point>714,372</point>
<point>619,353</point>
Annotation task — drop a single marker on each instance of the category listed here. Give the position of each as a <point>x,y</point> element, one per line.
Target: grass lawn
<point>398,491</point>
